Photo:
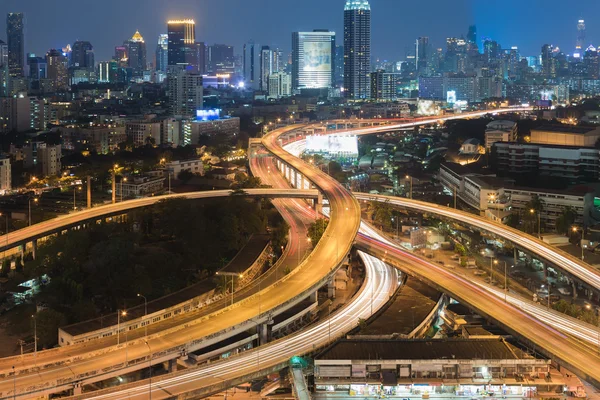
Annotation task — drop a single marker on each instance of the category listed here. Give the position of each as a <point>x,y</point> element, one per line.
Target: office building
<point>500,131</point>
<point>182,41</point>
<point>162,53</point>
<point>144,132</point>
<point>267,67</point>
<point>220,59</point>
<point>548,61</point>
<point>338,75</point>
<point>5,174</point>
<point>422,53</point>
<point>136,54</point>
<point>4,72</point>
<point>57,69</point>
<point>580,43</point>
<point>280,85</point>
<point>108,72</point>
<point>16,44</point>
<point>229,127</point>
<point>139,186</point>
<point>82,55</point>
<point>201,58</point>
<point>313,59</point>
<point>185,91</point>
<point>38,67</point>
<point>251,65</point>
<point>357,49</point>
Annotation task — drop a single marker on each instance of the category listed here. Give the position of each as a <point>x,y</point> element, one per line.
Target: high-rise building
<point>338,75</point>
<point>384,85</point>
<point>201,58</point>
<point>82,55</point>
<point>185,91</point>
<point>182,41</point>
<point>280,85</point>
<point>548,61</point>
<point>136,56</point>
<point>267,67</point>
<point>422,52</point>
<point>162,53</point>
<point>579,45</point>
<point>492,50</point>
<point>472,34</point>
<point>57,69</point>
<point>4,75</point>
<point>251,64</point>
<point>16,43</point>
<point>38,67</point>
<point>357,49</point>
<point>313,59</point>
<point>220,59</point>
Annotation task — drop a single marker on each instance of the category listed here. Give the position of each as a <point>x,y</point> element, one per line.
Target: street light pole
<point>35,200</point>
<point>410,196</point>
<point>145,314</point>
<point>149,370</point>
<point>34,335</point>
<point>119,313</point>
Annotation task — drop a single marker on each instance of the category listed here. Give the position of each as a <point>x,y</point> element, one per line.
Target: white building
<point>471,146</point>
<point>174,168</point>
<point>280,85</point>
<point>139,186</point>
<point>500,131</point>
<point>222,126</point>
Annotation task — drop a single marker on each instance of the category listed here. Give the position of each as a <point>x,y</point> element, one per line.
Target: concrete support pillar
<point>264,333</point>
<point>170,366</point>
<point>34,248</point>
<point>319,205</point>
<point>545,268</point>
<point>301,181</point>
<point>331,288</point>
<point>89,192</point>
<point>515,256</point>
<point>313,297</point>
<point>574,285</point>
<point>77,390</point>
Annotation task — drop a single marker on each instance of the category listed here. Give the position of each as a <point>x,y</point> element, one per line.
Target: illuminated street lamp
<point>532,211</point>
<point>119,314</point>
<point>582,239</point>
<point>411,186</point>
<point>35,200</point>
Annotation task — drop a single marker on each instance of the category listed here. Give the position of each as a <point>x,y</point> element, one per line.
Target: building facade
<point>181,42</point>
<point>500,131</point>
<point>313,59</point>
<point>185,91</point>
<point>357,49</point>
<point>15,23</point>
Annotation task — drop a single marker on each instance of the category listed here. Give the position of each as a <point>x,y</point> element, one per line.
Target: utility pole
<point>114,186</point>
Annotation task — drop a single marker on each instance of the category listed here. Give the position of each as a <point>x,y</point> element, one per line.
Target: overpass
<point>59,224</point>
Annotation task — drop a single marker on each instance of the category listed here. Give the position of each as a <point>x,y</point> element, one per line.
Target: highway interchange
<point>345,210</point>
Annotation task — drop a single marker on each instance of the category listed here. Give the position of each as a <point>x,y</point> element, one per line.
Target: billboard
<point>317,56</point>
<point>332,144</point>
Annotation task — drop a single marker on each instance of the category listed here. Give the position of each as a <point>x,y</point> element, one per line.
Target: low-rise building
<point>222,127</point>
<point>423,368</point>
<point>565,135</point>
<point>500,131</point>
<point>195,166</point>
<point>5,174</point>
<point>471,146</point>
<point>139,186</point>
<point>44,158</point>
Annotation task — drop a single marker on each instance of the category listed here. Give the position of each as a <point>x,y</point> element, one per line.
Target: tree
<point>513,220</point>
<point>47,323</point>
<point>565,220</point>
<point>316,230</point>
<point>185,175</point>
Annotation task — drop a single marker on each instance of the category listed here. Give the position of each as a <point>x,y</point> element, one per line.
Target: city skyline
<point>392,33</point>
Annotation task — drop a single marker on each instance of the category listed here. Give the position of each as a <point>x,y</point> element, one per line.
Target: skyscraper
<point>82,55</point>
<point>16,42</point>
<point>137,54</point>
<point>472,34</point>
<point>57,69</point>
<point>580,38</point>
<point>185,91</point>
<point>182,41</point>
<point>162,52</point>
<point>220,59</point>
<point>357,49</point>
<point>250,67</point>
<point>3,69</point>
<point>422,52</point>
<point>313,59</point>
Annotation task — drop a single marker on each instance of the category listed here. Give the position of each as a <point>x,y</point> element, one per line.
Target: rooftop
<point>357,5</point>
<point>420,349</point>
<point>564,128</point>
